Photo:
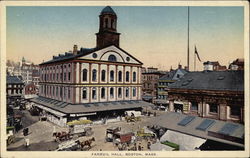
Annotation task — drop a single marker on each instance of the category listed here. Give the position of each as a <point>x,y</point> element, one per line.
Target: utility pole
<point>188,42</point>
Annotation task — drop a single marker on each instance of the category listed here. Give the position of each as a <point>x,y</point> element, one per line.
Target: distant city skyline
<point>157,36</point>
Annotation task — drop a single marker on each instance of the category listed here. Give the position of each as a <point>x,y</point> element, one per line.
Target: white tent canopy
<point>160,147</point>
<point>186,142</point>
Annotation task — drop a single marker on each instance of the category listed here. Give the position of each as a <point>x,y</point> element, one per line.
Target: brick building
<point>150,83</point>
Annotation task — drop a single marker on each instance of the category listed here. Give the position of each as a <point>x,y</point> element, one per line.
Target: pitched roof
<point>170,75</point>
<point>211,80</point>
<point>82,52</point>
<point>68,56</point>
<point>69,108</point>
<point>172,121</point>
<point>13,80</point>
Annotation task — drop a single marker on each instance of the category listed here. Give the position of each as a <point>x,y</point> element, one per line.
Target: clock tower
<point>107,34</point>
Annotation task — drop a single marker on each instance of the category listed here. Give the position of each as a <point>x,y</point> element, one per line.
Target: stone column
<point>171,105</point>
<point>223,112</point>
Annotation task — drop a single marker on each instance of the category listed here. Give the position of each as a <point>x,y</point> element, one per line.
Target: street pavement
<point>41,139</point>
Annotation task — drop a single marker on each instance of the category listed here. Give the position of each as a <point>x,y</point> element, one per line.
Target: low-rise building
<point>14,86</point>
<point>213,66</point>
<point>165,81</point>
<point>237,64</point>
<point>211,94</point>
<point>150,83</point>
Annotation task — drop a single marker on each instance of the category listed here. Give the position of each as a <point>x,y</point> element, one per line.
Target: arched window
<point>119,92</point>
<point>134,76</point>
<point>112,58</point>
<point>94,93</point>
<point>106,23</point>
<point>111,92</point>
<point>134,92</point>
<point>127,76</point>
<point>103,93</point>
<point>111,75</point>
<point>120,76</point>
<point>103,75</point>
<point>94,75</point>
<point>84,74</point>
<point>127,92</point>
<point>84,93</point>
<point>112,24</point>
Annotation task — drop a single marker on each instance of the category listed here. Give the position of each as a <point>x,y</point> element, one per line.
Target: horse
<point>85,143</point>
<point>61,135</point>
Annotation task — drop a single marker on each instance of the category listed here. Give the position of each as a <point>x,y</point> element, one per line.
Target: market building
<point>91,83</point>
<point>199,133</point>
<point>210,94</point>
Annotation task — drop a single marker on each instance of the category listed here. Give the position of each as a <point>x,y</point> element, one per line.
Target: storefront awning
<point>50,110</point>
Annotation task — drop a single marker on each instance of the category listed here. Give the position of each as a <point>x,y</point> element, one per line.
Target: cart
<point>79,130</point>
<point>110,133</point>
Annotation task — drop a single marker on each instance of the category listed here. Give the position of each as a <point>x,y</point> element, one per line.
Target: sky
<point>157,36</point>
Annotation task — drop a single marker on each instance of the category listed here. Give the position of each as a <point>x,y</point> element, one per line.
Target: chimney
<point>179,66</point>
<point>75,50</point>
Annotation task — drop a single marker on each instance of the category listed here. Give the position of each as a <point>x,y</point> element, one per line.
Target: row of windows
<point>213,108</point>
<point>15,85</point>
<point>161,89</point>
<point>162,97</point>
<point>150,77</point>
<point>163,83</point>
<point>103,75</point>
<point>56,91</point>
<point>111,93</point>
<point>55,67</point>
<point>17,90</point>
<point>57,76</point>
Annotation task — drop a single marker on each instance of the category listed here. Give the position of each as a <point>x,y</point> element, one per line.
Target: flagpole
<point>188,43</point>
<point>194,61</point>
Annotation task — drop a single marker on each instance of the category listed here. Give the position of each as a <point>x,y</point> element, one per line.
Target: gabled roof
<point>170,75</point>
<point>81,53</point>
<point>14,80</point>
<point>68,56</point>
<point>211,80</point>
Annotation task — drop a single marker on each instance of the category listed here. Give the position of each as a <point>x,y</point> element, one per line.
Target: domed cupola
<point>107,34</point>
<point>108,10</point>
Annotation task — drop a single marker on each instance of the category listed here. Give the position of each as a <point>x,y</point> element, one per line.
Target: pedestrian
<point>139,147</point>
<point>24,132</point>
<point>135,147</point>
<point>119,146</point>
<point>27,142</point>
<point>148,145</point>
<point>154,114</point>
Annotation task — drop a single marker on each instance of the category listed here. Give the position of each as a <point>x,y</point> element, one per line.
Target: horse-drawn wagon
<point>120,138</point>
